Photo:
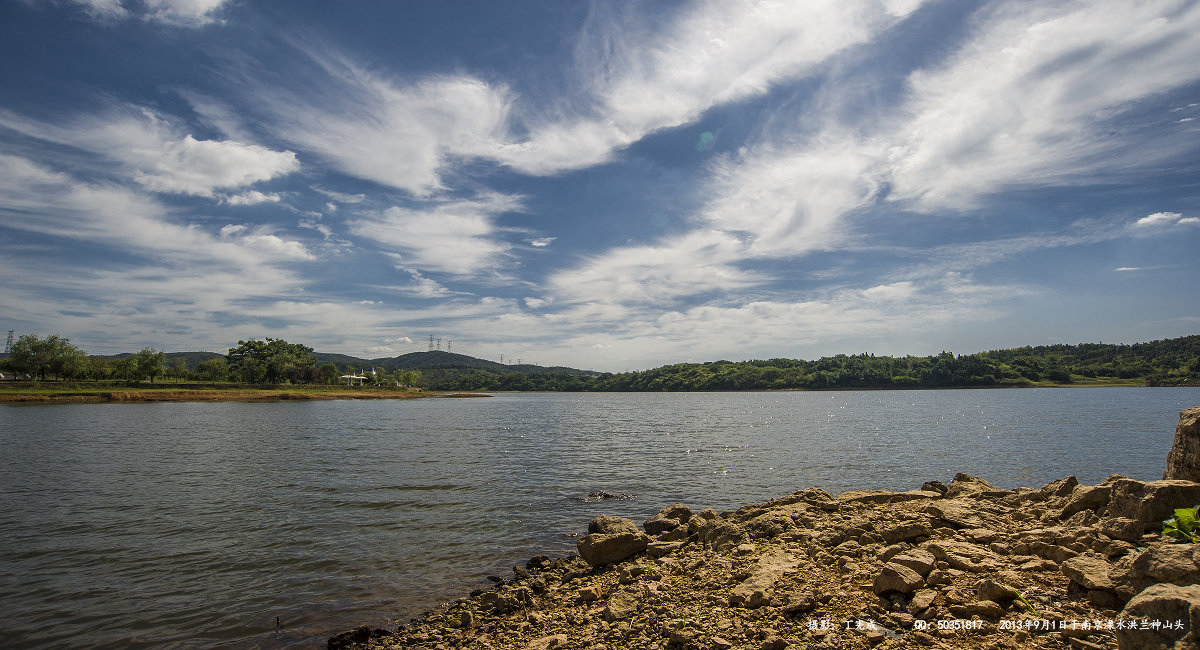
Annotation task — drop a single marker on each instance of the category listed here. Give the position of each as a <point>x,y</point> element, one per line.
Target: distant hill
<point>1162,363</point>
<point>438,359</point>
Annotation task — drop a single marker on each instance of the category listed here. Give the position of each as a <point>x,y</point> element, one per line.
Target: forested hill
<point>1168,362</point>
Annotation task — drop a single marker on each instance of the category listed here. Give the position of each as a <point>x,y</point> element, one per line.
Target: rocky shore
<point>964,565</point>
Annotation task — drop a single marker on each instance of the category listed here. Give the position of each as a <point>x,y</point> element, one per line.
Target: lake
<point>196,525</point>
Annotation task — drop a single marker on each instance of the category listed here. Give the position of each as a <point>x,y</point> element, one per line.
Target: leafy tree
<point>148,364</point>
<point>328,373</point>
<point>178,369</point>
<point>36,356</point>
<point>271,361</point>
<point>213,370</point>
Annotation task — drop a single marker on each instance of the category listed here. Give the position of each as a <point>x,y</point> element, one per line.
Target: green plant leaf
<point>1184,526</point>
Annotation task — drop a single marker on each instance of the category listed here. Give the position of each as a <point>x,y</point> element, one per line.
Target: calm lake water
<point>198,525</point>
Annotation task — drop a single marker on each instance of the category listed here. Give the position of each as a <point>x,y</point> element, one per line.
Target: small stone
<point>621,605</point>
<point>996,591</point>
<point>547,642</point>
<point>982,608</point>
<point>589,594</point>
<point>918,560</point>
<point>921,600</point>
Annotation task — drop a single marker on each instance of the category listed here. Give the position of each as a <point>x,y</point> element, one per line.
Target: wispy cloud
<point>698,263</point>
<point>1028,100</point>
<point>34,198</point>
<point>158,155</point>
<point>181,13</point>
<point>1021,103</point>
<point>457,236</point>
<point>403,135</point>
<point>638,78</point>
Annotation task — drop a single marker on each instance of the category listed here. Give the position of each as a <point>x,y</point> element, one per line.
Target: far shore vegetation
<point>51,365</point>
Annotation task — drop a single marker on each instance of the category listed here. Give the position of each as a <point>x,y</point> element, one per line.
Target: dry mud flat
<point>958,566</point>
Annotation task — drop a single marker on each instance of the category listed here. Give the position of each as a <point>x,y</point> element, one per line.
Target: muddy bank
<point>231,395</point>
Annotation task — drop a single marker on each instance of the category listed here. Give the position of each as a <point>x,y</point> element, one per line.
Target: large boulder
<point>1175,608</point>
<point>1086,497</point>
<point>611,539</point>
<point>1159,563</point>
<point>965,485</point>
<point>609,525</point>
<point>667,519</point>
<point>1183,461</point>
<point>1150,503</point>
<point>897,578</point>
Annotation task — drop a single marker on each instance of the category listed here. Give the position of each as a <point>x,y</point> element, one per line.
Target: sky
<point>607,185</point>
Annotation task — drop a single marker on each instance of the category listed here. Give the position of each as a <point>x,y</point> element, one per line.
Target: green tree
<point>272,361</point>
<point>36,356</point>
<point>213,370</point>
<point>328,373</point>
<point>148,364</point>
<point>178,369</point>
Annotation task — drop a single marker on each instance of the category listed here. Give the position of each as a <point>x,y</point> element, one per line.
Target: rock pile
<point>963,565</point>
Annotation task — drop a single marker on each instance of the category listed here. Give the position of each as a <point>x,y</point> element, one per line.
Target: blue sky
<point>607,185</point>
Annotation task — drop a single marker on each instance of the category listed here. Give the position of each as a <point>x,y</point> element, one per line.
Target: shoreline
<point>27,394</point>
<point>142,395</point>
<point>1064,566</point>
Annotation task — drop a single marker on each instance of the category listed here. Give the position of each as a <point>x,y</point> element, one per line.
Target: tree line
<point>269,361</point>
<point>1170,362</point>
<point>275,361</point>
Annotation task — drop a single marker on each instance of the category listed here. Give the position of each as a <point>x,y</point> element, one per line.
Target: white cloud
<point>717,52</point>
<point>1160,220</point>
<point>423,287</point>
<point>37,199</point>
<point>104,9</point>
<point>341,197</point>
<point>179,13</point>
<point>400,135</point>
<point>542,242</point>
<point>790,202</point>
<point>253,197</point>
<point>158,155</point>
<point>1022,102</point>
<point>700,262</point>
<point>1026,101</point>
<point>451,236</point>
<point>197,167</point>
<point>232,229</point>
<point>187,13</point>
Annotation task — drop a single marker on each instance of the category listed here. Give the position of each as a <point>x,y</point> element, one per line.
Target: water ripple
<point>198,525</point>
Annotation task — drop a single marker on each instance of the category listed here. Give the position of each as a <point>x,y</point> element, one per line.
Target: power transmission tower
<point>502,359</point>
<point>431,343</point>
<point>9,343</point>
<point>439,346</point>
<point>448,344</point>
